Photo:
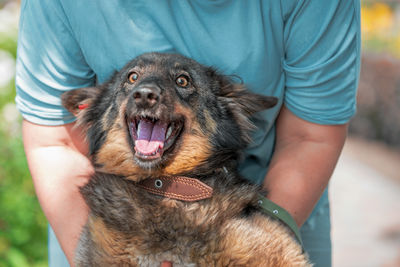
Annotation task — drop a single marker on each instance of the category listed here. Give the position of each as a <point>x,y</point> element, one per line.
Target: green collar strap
<point>277,212</point>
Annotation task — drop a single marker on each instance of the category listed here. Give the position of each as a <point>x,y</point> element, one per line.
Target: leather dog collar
<point>191,189</point>
<point>179,187</point>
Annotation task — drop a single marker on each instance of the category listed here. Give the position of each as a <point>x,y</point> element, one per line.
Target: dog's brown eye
<point>182,81</point>
<point>133,77</point>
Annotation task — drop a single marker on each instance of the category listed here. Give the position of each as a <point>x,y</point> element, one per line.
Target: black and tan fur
<point>128,226</point>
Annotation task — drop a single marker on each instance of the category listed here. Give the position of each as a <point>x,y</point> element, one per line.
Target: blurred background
<point>364,191</point>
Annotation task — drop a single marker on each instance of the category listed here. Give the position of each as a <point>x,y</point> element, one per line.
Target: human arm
<point>321,65</point>
<point>304,159</point>
<point>50,62</point>
<point>58,165</point>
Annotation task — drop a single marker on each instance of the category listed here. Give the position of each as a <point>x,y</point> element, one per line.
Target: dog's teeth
<point>138,128</point>
<point>169,132</point>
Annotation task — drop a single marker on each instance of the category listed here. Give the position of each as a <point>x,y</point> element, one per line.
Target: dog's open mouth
<point>152,137</point>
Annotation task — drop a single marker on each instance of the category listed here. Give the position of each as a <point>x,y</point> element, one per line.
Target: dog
<point>165,135</point>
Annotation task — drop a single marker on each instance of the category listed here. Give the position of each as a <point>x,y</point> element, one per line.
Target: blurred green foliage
<point>23,227</point>
<point>8,43</point>
<point>22,224</point>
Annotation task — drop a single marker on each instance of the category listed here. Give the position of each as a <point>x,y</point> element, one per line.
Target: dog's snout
<point>146,97</point>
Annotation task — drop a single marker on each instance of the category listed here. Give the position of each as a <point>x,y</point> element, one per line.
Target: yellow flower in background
<point>377,19</point>
<point>380,26</point>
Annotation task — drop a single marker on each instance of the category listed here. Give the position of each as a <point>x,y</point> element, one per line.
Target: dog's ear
<point>248,103</point>
<point>241,100</point>
<point>243,104</point>
<point>77,100</point>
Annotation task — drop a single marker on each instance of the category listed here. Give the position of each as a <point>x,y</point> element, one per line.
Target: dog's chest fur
<point>128,225</point>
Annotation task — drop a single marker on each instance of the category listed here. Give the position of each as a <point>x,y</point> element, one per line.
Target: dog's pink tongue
<point>150,136</point>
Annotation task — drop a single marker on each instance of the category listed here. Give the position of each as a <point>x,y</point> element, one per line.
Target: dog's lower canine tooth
<point>169,132</point>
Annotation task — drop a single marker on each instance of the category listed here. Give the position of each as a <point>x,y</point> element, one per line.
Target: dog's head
<point>164,114</point>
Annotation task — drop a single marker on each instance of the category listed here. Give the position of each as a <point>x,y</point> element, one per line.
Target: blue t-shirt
<point>305,52</point>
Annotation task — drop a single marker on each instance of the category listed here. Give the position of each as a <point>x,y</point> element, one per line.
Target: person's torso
<point>241,38</point>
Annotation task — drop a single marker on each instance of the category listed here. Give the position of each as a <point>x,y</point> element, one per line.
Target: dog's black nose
<point>146,97</point>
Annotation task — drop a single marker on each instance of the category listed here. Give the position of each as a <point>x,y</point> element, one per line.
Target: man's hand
<point>59,166</point>
<point>303,162</point>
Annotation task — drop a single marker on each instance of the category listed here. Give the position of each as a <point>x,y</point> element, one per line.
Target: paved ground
<point>365,200</point>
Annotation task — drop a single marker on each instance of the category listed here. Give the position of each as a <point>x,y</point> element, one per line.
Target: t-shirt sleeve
<point>49,62</point>
<point>322,60</point>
